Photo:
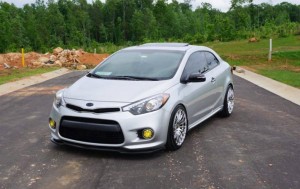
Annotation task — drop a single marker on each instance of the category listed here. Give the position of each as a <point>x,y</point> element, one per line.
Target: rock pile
<point>2,59</point>
<point>61,57</point>
<point>74,59</point>
<point>6,59</point>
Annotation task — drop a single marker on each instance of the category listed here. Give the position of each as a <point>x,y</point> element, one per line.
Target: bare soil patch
<point>74,59</point>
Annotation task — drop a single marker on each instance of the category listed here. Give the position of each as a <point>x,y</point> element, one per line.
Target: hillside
<point>285,64</point>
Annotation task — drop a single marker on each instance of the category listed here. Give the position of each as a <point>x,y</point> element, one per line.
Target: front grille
<point>91,130</point>
<point>98,110</point>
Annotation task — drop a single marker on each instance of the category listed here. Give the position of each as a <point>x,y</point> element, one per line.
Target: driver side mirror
<point>195,77</point>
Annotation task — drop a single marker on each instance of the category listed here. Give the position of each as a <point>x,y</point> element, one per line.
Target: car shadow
<point>106,154</point>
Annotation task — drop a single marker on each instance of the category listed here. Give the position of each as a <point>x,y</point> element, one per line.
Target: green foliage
<point>77,24</point>
<point>108,47</point>
<point>236,3</point>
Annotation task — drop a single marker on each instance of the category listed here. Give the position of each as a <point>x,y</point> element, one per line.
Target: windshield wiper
<point>122,77</point>
<point>132,78</point>
<point>93,75</point>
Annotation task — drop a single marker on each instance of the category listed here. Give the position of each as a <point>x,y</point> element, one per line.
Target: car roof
<point>167,46</point>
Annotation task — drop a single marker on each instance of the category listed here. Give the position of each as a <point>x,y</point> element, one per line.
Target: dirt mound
<point>10,60</point>
<point>253,40</point>
<point>32,56</point>
<point>91,59</point>
<point>61,57</point>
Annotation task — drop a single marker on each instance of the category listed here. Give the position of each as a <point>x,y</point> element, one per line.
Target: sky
<point>222,5</point>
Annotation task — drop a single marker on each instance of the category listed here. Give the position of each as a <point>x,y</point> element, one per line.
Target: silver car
<point>143,98</point>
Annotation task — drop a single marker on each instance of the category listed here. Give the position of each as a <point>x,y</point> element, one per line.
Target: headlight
<point>58,99</point>
<point>147,105</point>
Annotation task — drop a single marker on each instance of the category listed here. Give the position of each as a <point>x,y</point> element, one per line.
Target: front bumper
<point>129,124</point>
<point>109,149</point>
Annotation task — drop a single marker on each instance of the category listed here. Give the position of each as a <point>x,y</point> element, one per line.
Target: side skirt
<point>205,117</point>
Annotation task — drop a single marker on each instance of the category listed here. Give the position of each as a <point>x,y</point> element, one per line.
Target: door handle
<point>213,80</point>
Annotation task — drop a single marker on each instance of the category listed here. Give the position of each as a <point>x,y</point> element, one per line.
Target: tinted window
<point>212,61</point>
<point>196,63</point>
<point>155,64</point>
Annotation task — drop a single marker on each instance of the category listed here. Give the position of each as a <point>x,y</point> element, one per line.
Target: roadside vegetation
<point>114,24</point>
<point>16,74</point>
<point>285,64</point>
<point>44,25</point>
<point>285,76</point>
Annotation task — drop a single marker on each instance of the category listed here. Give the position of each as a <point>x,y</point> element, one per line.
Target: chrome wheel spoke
<point>230,100</point>
<point>181,122</point>
<point>179,126</point>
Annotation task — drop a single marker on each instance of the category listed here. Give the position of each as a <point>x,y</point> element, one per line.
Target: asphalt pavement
<point>257,147</point>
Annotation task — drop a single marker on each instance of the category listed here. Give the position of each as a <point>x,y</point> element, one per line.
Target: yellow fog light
<point>52,123</point>
<point>147,133</point>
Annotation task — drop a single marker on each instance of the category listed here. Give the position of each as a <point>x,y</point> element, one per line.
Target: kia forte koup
<point>143,98</point>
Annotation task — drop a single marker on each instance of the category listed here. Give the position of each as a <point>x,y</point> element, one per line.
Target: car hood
<point>105,90</point>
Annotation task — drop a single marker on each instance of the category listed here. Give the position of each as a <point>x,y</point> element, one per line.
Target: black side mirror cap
<point>194,78</point>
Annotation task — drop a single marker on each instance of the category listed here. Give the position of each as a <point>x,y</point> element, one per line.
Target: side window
<point>196,63</point>
<point>212,61</point>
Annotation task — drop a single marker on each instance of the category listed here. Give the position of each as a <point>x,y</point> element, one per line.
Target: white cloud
<point>223,5</point>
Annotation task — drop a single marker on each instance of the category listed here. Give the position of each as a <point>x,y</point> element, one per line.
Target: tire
<point>228,102</point>
<point>178,127</point>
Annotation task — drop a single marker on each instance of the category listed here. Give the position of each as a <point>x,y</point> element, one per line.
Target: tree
<point>76,23</point>
<point>236,3</point>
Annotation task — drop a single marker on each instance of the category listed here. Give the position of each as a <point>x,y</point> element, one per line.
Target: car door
<point>196,95</point>
<point>217,82</point>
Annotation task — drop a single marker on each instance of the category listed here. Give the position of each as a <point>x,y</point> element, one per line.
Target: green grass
<point>292,56</point>
<point>285,76</point>
<point>243,47</point>
<point>285,64</point>
<point>13,75</point>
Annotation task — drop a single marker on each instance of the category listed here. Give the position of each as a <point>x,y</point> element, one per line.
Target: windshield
<point>140,65</point>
